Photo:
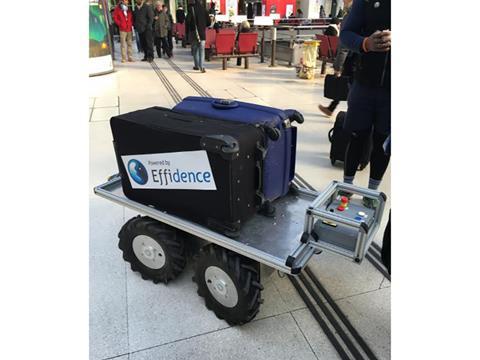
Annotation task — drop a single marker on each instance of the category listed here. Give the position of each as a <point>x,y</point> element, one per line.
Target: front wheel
<point>230,284</point>
<point>153,249</point>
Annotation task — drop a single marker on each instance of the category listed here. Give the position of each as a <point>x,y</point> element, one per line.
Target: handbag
<point>336,87</point>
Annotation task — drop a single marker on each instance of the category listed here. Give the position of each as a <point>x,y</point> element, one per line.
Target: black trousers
<point>170,40</point>
<point>333,105</point>
<point>146,40</point>
<point>162,44</point>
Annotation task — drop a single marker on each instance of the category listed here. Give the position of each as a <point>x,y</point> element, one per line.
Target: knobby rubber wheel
<point>230,284</point>
<point>153,249</point>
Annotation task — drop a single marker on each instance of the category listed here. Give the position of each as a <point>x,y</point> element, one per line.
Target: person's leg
<point>353,155</point>
<point>123,45</point>
<point>333,105</point>
<point>201,56</point>
<point>379,159</point>
<point>129,46</point>
<point>195,53</point>
<point>165,46</point>
<point>138,40</point>
<point>158,46</point>
<point>149,43</point>
<point>170,42</point>
<point>143,45</point>
<point>358,122</point>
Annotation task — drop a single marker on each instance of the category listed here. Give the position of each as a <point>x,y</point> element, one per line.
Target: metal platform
<point>274,242</point>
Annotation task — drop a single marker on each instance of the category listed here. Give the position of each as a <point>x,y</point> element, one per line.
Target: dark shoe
<point>203,70</point>
<point>325,110</point>
<point>144,59</point>
<point>195,68</point>
<point>345,193</point>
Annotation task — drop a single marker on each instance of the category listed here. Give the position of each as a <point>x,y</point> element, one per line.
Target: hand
<point>379,41</point>
<point>337,73</point>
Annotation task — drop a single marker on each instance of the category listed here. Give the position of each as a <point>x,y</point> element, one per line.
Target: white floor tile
<point>275,338</point>
<point>103,114</point>
<point>106,101</point>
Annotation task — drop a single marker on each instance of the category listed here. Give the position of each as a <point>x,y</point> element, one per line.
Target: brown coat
<point>161,25</point>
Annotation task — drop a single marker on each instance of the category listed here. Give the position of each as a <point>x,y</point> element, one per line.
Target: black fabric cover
<point>159,130</point>
<point>336,87</point>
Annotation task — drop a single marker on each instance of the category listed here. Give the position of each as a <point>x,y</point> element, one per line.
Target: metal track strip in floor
<point>168,85</point>
<point>188,79</point>
<point>344,337</point>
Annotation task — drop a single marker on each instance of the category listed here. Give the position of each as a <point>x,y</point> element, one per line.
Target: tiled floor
<point>134,319</point>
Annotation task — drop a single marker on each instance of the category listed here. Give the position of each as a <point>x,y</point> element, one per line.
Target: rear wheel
<point>152,248</point>
<point>230,284</point>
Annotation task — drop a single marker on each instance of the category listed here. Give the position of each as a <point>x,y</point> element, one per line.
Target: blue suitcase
<point>278,166</point>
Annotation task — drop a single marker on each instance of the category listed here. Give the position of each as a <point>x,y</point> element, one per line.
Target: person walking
<point>169,29</point>
<point>123,18</point>
<point>367,33</point>
<point>180,14</point>
<point>196,23</point>
<point>160,28</point>
<point>342,65</point>
<point>143,22</point>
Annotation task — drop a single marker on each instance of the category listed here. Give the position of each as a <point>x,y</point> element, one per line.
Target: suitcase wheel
<point>273,133</point>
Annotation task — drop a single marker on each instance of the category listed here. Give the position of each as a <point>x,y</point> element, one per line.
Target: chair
<point>180,33</point>
<point>247,45</point>
<point>210,36</point>
<point>327,49</point>
<point>224,46</point>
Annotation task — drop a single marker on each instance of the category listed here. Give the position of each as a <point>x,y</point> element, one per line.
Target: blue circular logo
<point>137,172</point>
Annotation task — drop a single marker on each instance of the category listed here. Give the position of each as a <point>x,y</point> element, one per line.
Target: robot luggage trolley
<point>227,270</point>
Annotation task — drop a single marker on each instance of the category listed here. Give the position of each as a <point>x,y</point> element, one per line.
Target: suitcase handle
<point>294,115</point>
<point>224,104</point>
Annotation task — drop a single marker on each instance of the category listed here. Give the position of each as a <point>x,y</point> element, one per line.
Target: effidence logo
<point>189,170</point>
<point>137,172</point>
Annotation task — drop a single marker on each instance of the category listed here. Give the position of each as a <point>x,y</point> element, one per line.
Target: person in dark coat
<point>196,22</point>
<point>180,14</point>
<point>160,28</point>
<point>366,32</point>
<point>169,29</point>
<point>143,22</point>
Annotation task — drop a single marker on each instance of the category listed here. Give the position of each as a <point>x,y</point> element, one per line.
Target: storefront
<point>253,8</point>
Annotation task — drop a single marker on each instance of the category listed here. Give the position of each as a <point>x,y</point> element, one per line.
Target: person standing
<point>123,18</point>
<point>367,33</point>
<point>180,14</point>
<point>169,29</point>
<point>322,12</point>
<point>160,27</point>
<point>143,20</point>
<point>196,23</point>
